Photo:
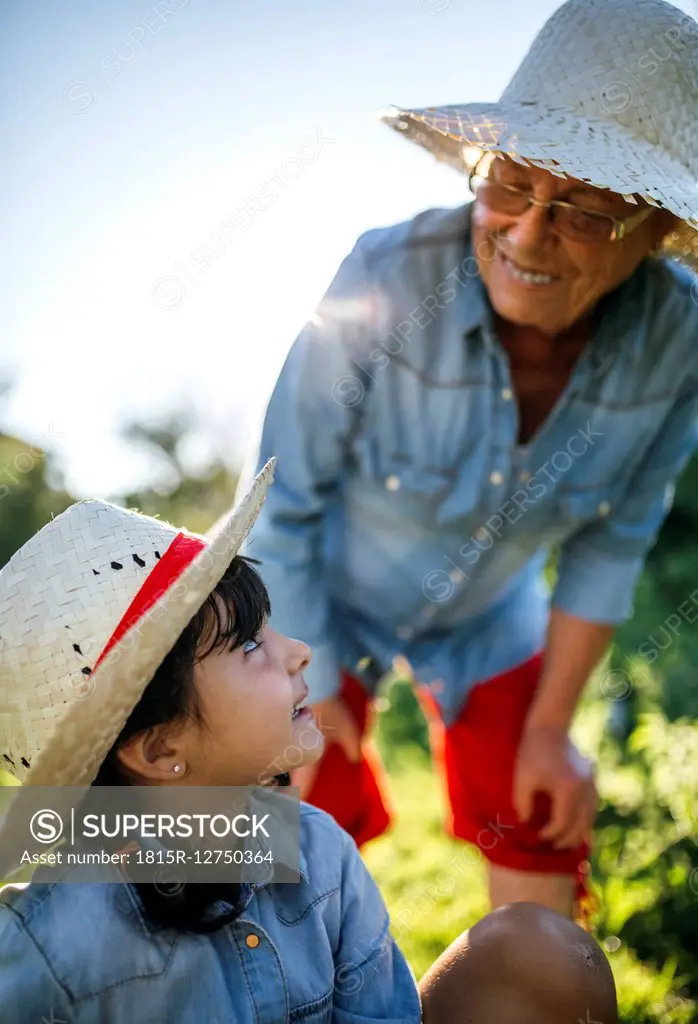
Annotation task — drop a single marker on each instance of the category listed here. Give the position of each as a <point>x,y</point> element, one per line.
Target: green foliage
<point>645,863</point>
<point>665,626</point>
<point>434,886</point>
<point>27,498</point>
<point>190,498</point>
<point>404,731</point>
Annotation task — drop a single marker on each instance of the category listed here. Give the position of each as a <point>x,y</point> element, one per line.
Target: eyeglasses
<point>568,219</point>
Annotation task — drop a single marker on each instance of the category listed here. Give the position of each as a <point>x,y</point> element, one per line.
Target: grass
<point>435,886</point>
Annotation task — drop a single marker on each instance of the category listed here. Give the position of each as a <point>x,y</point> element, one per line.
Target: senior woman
<point>479,386</point>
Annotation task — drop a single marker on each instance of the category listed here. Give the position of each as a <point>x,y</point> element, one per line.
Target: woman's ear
<point>663,224</point>
<point>152,757</point>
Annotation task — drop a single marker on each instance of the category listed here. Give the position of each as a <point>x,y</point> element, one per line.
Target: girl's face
<point>247,697</point>
<point>247,732</point>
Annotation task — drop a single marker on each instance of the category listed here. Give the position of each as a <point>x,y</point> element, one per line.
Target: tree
<point>31,493</point>
<point>185,495</point>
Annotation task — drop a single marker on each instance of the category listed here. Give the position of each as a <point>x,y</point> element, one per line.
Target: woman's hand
<point>337,725</point>
<point>549,762</point>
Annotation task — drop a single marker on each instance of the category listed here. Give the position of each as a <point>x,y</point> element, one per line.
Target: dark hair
<point>231,621</point>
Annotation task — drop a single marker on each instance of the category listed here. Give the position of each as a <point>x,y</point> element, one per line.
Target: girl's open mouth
<point>300,709</point>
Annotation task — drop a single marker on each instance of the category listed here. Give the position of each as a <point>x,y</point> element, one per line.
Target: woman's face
<point>248,732</point>
<point>577,274</point>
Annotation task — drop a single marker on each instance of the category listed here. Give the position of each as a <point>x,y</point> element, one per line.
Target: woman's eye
<point>247,649</point>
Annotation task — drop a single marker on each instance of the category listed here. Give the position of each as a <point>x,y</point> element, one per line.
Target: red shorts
<point>476,757</point>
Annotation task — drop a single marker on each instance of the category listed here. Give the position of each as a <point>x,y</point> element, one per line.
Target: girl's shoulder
<point>330,859</point>
<point>48,911</point>
<point>327,855</point>
<point>49,932</point>
<point>321,837</point>
<point>332,875</point>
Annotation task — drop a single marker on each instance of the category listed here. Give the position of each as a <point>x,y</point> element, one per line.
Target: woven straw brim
<point>73,755</point>
<point>598,152</point>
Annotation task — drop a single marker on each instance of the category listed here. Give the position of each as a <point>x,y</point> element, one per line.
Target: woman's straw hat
<point>607,93</point>
<point>89,608</point>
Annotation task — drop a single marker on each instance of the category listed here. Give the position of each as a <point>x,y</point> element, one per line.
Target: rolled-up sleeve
<point>314,409</point>
<point>600,565</point>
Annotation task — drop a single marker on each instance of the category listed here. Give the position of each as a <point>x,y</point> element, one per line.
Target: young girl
<point>133,654</point>
<point>171,699</point>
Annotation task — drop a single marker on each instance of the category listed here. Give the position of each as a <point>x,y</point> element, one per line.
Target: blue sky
<point>136,130</point>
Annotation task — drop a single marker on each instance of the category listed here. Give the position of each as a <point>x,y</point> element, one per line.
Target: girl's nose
<point>299,656</point>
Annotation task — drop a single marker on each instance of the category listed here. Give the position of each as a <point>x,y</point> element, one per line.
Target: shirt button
<point>506,394</point>
<point>252,941</point>
<point>481,534</point>
<point>456,576</point>
<point>496,477</point>
<point>604,508</point>
<point>405,632</point>
<point>523,475</point>
<point>393,483</point>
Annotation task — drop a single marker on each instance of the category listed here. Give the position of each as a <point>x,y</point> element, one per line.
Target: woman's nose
<point>531,230</point>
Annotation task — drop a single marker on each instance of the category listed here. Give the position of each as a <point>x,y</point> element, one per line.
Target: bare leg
<point>553,891</point>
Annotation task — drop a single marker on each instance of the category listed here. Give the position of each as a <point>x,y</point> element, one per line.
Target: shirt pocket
<point>607,442</point>
<point>308,919</point>
<point>418,481</point>
<point>423,444</point>
<point>580,507</point>
<point>317,1012</point>
<point>402,480</point>
<point>421,490</point>
<point>605,451</point>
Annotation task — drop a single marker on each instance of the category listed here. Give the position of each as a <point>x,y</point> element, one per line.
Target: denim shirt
<point>316,951</point>
<point>406,518</point>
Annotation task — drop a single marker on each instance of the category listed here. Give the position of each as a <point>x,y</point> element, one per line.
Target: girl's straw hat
<point>89,608</point>
<point>607,93</point>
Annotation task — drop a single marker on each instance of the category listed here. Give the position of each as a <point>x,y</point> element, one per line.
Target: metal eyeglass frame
<point>619,228</point>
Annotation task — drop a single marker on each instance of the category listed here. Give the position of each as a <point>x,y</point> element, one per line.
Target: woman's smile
<point>526,277</point>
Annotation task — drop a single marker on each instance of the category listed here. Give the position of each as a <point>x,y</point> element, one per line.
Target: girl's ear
<point>152,756</point>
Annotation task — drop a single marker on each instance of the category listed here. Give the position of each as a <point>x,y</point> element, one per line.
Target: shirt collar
<point>290,857</point>
<point>298,865</point>
<point>248,890</point>
<point>304,866</point>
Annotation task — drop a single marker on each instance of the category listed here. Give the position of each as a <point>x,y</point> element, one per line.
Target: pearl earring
<point>177,768</point>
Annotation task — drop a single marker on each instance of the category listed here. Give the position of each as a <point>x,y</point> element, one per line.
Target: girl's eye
<point>249,650</point>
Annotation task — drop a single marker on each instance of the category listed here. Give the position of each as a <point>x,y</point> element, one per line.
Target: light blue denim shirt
<point>405,517</point>
<point>312,952</point>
